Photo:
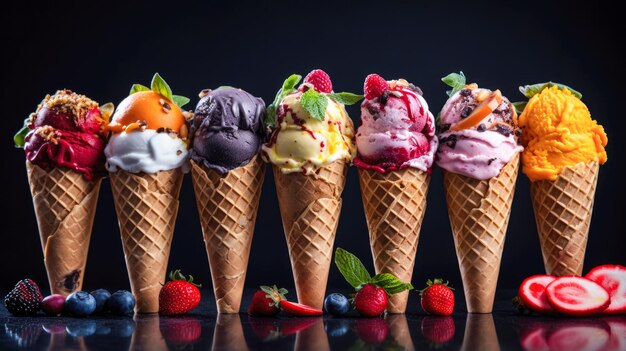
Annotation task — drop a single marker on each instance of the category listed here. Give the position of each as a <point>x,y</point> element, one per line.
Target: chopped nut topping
<point>188,115</point>
<point>68,102</point>
<point>184,131</point>
<point>48,133</point>
<point>482,96</point>
<point>204,92</point>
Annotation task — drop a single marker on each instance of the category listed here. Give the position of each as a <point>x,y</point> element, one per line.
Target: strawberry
<point>372,330</point>
<point>437,298</point>
<point>371,300</point>
<point>438,330</point>
<point>23,335</point>
<point>295,325</point>
<point>577,296</point>
<point>532,334</point>
<point>578,335</point>
<point>25,299</point>
<point>374,86</point>
<point>613,279</point>
<point>298,309</point>
<point>320,81</point>
<point>265,301</point>
<point>179,295</point>
<point>532,292</point>
<point>617,326</point>
<point>182,330</point>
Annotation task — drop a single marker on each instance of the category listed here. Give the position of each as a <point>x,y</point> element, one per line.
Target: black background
<point>99,50</point>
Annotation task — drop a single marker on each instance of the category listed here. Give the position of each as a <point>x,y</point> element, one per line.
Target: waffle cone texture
<point>65,205</point>
<point>394,204</point>
<point>146,206</point>
<point>227,205</point>
<point>479,213</point>
<point>563,209</point>
<point>310,206</point>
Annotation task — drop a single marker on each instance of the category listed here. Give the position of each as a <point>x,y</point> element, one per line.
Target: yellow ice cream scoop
<point>558,132</point>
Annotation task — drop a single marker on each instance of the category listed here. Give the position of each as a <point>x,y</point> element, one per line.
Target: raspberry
<point>374,86</point>
<point>320,81</point>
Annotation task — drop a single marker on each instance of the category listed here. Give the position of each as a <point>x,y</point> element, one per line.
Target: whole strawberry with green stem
<point>372,293</point>
<point>268,301</point>
<point>180,295</point>
<point>437,298</point>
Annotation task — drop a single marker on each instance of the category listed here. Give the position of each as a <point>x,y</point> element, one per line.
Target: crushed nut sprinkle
<point>204,92</point>
<point>416,89</point>
<point>68,102</point>
<point>48,133</point>
<point>184,131</point>
<point>188,115</point>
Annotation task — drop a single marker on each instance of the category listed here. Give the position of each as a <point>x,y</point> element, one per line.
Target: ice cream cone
<point>227,205</point>
<point>563,213</point>
<point>480,334</point>
<point>394,204</point>
<point>228,333</point>
<point>146,206</point>
<point>310,206</point>
<point>65,205</point>
<point>479,214</point>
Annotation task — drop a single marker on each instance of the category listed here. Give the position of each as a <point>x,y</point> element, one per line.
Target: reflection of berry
<point>181,330</point>
<point>265,329</point>
<point>374,86</point>
<point>23,335</point>
<point>320,81</point>
<point>25,299</point>
<point>372,330</point>
<point>438,330</point>
<point>370,301</point>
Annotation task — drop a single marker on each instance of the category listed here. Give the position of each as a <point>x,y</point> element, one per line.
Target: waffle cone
<point>65,205</point>
<point>146,206</point>
<point>227,205</point>
<point>479,214</point>
<point>312,338</point>
<point>394,204</point>
<point>147,334</point>
<point>480,333</point>
<point>563,213</point>
<point>399,330</point>
<point>228,333</point>
<point>310,207</point>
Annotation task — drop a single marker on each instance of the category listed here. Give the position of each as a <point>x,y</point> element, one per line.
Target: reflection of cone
<point>310,207</point>
<point>147,334</point>
<point>563,213</point>
<point>313,338</point>
<point>399,329</point>
<point>480,333</point>
<point>228,333</point>
<point>65,205</point>
<point>228,205</point>
<point>479,214</point>
<point>394,203</point>
<point>146,206</point>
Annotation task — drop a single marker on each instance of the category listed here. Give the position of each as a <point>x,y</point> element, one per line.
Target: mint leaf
<point>159,86</point>
<point>519,106</point>
<point>534,89</point>
<point>180,100</point>
<point>18,138</point>
<point>390,283</point>
<point>288,87</point>
<point>351,268</point>
<point>456,81</point>
<point>346,98</point>
<point>314,103</point>
<point>137,88</point>
<point>225,86</point>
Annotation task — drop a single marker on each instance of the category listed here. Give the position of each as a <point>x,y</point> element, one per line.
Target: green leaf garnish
<point>390,283</point>
<point>351,268</point>
<point>180,100</point>
<point>225,86</point>
<point>137,88</point>
<point>345,98</point>
<point>519,106</point>
<point>159,86</point>
<point>314,103</point>
<point>18,138</point>
<point>456,81</point>
<point>531,90</point>
<point>288,87</point>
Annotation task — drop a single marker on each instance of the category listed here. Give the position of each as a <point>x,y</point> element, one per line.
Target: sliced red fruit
<point>613,279</point>
<point>481,111</point>
<point>532,291</point>
<point>298,309</point>
<point>573,335</point>
<point>533,334</point>
<point>617,341</point>
<point>577,296</point>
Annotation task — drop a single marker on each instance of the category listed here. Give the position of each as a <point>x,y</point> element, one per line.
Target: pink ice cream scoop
<point>481,150</point>
<point>397,129</point>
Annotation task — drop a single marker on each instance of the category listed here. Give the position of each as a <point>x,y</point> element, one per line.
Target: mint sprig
<point>345,98</point>
<point>180,100</point>
<point>160,86</point>
<point>519,106</point>
<point>137,88</point>
<point>314,103</point>
<point>19,137</point>
<point>531,90</point>
<point>356,275</point>
<point>456,81</point>
<point>288,87</point>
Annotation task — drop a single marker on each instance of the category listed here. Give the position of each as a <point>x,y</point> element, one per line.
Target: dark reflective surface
<point>205,330</point>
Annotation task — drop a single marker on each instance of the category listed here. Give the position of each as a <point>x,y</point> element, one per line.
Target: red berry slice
<point>533,334</point>
<point>578,335</point>
<point>617,341</point>
<point>298,309</point>
<point>577,296</point>
<point>532,291</point>
<point>613,279</point>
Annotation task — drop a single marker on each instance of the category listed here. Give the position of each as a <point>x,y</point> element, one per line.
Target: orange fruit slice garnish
<point>480,112</point>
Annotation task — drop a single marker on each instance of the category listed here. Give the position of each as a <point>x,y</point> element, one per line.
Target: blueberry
<point>101,296</point>
<point>336,304</point>
<point>78,327</point>
<point>80,304</point>
<point>121,302</point>
<point>336,328</point>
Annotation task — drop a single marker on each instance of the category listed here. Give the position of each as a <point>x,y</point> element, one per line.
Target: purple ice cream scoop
<point>227,129</point>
